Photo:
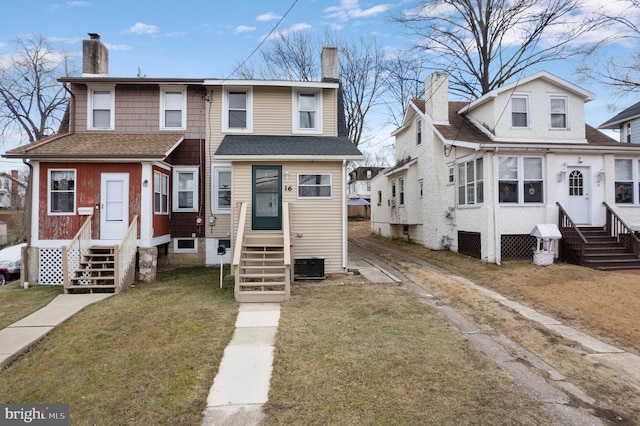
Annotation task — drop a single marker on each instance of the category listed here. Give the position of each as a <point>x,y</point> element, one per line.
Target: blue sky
<point>207,39</point>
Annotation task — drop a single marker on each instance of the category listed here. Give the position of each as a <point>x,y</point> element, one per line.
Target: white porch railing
<point>125,256</point>
<point>73,253</point>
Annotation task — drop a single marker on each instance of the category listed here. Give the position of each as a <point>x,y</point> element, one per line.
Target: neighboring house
<point>360,190</point>
<point>478,177</point>
<point>184,164</point>
<point>627,123</point>
<point>12,191</point>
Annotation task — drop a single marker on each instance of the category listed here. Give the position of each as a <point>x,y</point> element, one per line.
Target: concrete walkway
<point>242,384</point>
<point>21,335</point>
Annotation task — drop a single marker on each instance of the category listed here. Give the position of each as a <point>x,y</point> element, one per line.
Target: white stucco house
<point>477,177</point>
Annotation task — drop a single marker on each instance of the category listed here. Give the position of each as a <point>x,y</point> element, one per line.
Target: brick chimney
<point>436,97</point>
<point>95,56</point>
<point>330,64</point>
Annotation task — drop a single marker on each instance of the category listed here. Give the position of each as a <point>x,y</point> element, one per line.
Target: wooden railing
<point>618,229</point>
<point>125,256</point>
<point>237,249</point>
<point>73,253</point>
<point>286,229</point>
<point>570,233</point>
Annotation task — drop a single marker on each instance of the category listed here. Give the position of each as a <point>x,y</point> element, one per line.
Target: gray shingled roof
<point>614,122</point>
<point>257,145</point>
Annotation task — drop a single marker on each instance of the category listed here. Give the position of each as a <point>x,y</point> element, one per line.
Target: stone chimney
<point>95,56</point>
<point>436,97</point>
<point>330,64</point>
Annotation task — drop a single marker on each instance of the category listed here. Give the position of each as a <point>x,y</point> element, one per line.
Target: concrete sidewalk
<point>21,335</point>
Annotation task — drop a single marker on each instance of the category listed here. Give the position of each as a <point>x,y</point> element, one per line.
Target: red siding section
<point>161,222</point>
<point>55,227</point>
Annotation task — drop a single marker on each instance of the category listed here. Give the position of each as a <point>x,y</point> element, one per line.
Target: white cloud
<point>292,29</point>
<point>141,28</point>
<point>350,9</point>
<point>269,16</point>
<point>118,46</point>
<point>243,29</point>
<point>78,3</point>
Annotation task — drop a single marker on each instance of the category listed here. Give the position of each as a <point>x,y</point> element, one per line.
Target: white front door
<point>578,195</point>
<point>114,205</point>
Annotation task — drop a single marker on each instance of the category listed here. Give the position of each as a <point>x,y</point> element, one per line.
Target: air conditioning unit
<point>392,201</point>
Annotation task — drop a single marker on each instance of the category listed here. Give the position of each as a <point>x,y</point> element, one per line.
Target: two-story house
<point>360,190</point>
<point>477,177</point>
<point>175,168</point>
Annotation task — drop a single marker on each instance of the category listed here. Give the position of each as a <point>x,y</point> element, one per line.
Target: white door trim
<point>114,205</point>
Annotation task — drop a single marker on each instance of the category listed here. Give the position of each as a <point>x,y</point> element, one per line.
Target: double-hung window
<point>314,186</point>
<point>101,108</point>
<point>418,131</point>
<point>626,179</point>
<point>401,191</point>
<point>62,192</point>
<point>558,107</point>
<point>173,108</point>
<point>307,110</point>
<point>519,111</point>
<point>221,189</point>
<point>185,189</point>
<point>160,193</point>
<point>521,180</point>
<point>471,182</point>
<point>237,115</point>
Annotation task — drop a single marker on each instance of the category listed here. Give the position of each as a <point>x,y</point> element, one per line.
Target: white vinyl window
<point>173,108</point>
<point>62,192</point>
<point>558,107</point>
<point>471,182</point>
<point>520,111</point>
<point>237,110</point>
<point>101,108</point>
<point>418,131</point>
<point>521,180</point>
<point>221,185</point>
<point>627,180</point>
<point>314,186</point>
<point>307,112</point>
<point>401,191</point>
<point>160,193</point>
<point>185,189</point>
<point>185,245</point>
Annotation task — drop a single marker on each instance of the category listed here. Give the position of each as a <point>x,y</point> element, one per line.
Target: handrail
<point>616,226</point>
<point>125,253</point>
<point>286,223</point>
<point>574,233</point>
<point>79,245</point>
<point>237,250</point>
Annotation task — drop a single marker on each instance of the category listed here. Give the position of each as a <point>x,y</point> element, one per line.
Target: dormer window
<point>173,108</point>
<point>520,111</point>
<point>101,108</point>
<point>558,112</point>
<point>308,112</point>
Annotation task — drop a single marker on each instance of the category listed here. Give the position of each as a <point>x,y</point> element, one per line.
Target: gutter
<point>344,216</point>
<point>496,206</point>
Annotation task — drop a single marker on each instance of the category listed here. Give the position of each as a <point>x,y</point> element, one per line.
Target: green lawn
<point>17,302</point>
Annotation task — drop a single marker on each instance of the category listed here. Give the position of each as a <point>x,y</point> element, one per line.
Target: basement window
<point>185,245</point>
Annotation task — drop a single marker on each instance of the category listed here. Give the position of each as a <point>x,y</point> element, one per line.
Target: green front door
<point>266,212</point>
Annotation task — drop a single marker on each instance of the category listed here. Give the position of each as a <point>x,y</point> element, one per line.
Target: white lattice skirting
<point>50,266</point>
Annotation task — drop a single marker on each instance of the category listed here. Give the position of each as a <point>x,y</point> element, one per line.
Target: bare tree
<point>403,80</point>
<point>482,44</point>
<point>619,72</point>
<point>32,102</point>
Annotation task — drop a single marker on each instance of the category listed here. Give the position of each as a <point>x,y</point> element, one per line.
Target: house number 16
<point>288,188</point>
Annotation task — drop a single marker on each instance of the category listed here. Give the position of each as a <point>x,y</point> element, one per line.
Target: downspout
<point>344,215</point>
<point>496,221</point>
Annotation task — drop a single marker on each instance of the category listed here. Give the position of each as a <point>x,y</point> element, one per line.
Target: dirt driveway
<point>605,305</point>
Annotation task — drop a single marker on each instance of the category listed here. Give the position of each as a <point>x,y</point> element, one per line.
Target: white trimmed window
<point>420,188</point>
<point>521,180</point>
<point>308,116</point>
<point>101,108</point>
<point>314,186</point>
<point>401,191</point>
<point>160,193</point>
<point>221,185</point>
<point>237,110</point>
<point>173,108</point>
<point>185,189</point>
<point>418,131</point>
<point>471,182</point>
<point>559,114</point>
<point>520,111</point>
<point>62,192</point>
<point>627,180</point>
<point>185,245</point>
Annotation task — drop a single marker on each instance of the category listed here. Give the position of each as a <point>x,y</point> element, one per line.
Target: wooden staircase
<point>97,271</point>
<point>605,252</point>
<point>262,275</point>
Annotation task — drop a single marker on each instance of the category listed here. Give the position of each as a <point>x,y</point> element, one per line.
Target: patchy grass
<point>145,356</point>
<point>374,354</point>
<point>17,302</point>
